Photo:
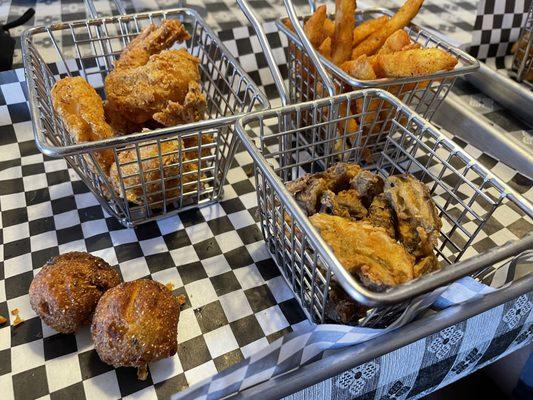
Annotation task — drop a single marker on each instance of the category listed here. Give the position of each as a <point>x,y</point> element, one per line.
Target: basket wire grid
<point>161,171</point>
<point>423,94</point>
<point>465,193</point>
<point>523,57</point>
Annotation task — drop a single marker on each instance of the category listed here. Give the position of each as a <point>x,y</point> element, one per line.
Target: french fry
<point>373,43</point>
<point>325,48</point>
<point>314,26</point>
<point>395,42</point>
<point>344,24</point>
<point>365,29</point>
<point>361,68</point>
<point>347,128</point>
<point>329,27</point>
<point>415,62</point>
<point>287,22</point>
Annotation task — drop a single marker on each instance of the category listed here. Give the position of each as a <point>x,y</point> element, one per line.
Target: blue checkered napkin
<point>308,345</point>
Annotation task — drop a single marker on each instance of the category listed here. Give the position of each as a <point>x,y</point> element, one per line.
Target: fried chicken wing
<point>165,89</point>
<point>418,220</point>
<point>346,204</point>
<point>82,112</point>
<point>174,184</point>
<point>380,214</point>
<point>367,185</point>
<point>366,251</point>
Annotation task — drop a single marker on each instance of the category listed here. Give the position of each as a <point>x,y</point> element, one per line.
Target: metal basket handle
<point>311,53</point>
<point>273,66</point>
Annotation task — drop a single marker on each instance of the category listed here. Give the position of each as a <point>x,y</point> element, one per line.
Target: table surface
<point>237,302</point>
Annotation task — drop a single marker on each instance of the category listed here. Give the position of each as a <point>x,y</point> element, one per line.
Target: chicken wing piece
<point>367,185</point>
<point>164,89</point>
<point>346,204</point>
<point>380,214</point>
<point>172,165</point>
<point>418,220</point>
<point>152,40</point>
<point>82,112</point>
<point>366,251</point>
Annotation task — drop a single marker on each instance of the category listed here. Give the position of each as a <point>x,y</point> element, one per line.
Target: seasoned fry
<point>415,62</point>
<point>373,42</point>
<point>325,48</point>
<point>361,68</point>
<point>329,27</point>
<point>364,30</point>
<point>314,26</point>
<point>395,42</point>
<point>344,24</point>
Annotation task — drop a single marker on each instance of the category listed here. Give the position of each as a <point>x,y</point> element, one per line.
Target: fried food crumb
<point>142,373</point>
<point>17,320</point>
<point>15,311</point>
<point>170,286</point>
<point>3,320</point>
<point>181,299</point>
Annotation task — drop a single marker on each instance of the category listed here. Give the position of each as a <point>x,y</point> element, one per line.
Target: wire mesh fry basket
<point>466,194</point>
<point>523,53</point>
<point>161,171</point>
<point>424,94</point>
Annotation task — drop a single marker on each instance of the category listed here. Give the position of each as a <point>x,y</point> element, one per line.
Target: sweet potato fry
<point>415,62</point>
<point>325,48</point>
<point>373,43</point>
<point>361,68</point>
<point>364,30</point>
<point>329,27</point>
<point>344,24</point>
<point>314,26</point>
<point>395,42</point>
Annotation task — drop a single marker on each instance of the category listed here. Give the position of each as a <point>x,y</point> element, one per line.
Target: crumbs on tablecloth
<point>170,286</point>
<point>181,299</point>
<point>17,320</point>
<point>142,373</point>
<point>3,320</point>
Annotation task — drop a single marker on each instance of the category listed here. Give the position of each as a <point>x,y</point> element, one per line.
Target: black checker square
<point>18,285</point>
<point>128,251</point>
<point>99,242</point>
<point>91,365</point>
<point>227,360</point>
<point>69,234</point>
<point>220,225</point>
<point>128,381</point>
<point>177,240</point>
<point>207,248</point>
<point>165,389</point>
<point>260,298</point>
<point>159,262</point>
<point>191,272</point>
<point>232,205</point>
<point>41,257</point>
<point>31,329</point>
<point>14,216</point>
<point>41,225</point>
<point>268,269</point>
<point>30,384</point>
<point>210,317</point>
<point>16,248</point>
<point>250,234</point>
<point>225,283</point>
<point>193,352</point>
<point>92,213</point>
<point>75,391</point>
<point>238,258</point>
<point>247,330</point>
<point>59,345</point>
<point>5,361</point>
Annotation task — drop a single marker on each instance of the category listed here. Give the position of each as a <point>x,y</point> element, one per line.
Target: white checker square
<point>60,190</point>
<point>134,269</point>
<point>170,224</point>
<point>169,275</point>
<point>44,240</point>
<point>84,340</point>
<point>2,291</point>
<point>5,337</point>
<point>279,289</point>
<point>34,182</point>
<point>24,131</point>
<point>27,356</point>
<point>229,192</point>
<point>76,245</point>
<point>249,277</point>
<point>243,158</point>
<point>94,227</point>
<point>229,241</point>
<point>258,251</point>
<point>241,219</point>
<point>13,93</point>
<point>236,175</point>
<point>6,382</point>
<point>9,151</point>
<point>271,320</point>
<point>144,394</point>
<point>220,341</point>
<point>184,255</point>
<point>85,200</point>
<point>201,372</point>
<point>11,201</point>
<point>188,327</point>
<point>254,347</point>
<point>39,210</point>
<point>54,165</point>
<point>216,265</point>
<point>153,246</point>
<point>67,219</point>
<point>199,232</point>
<point>213,211</point>
<point>63,371</point>
<point>15,232</point>
<point>165,369</point>
<point>235,305</point>
<point>104,386</point>
<point>201,292</point>
<point>123,236</point>
<point>502,236</point>
<point>47,331</point>
<point>23,305</point>
<point>108,255</point>
<point>17,265</point>
<point>249,200</point>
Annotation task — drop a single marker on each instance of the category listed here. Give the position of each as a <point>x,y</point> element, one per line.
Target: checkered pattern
<point>237,302</point>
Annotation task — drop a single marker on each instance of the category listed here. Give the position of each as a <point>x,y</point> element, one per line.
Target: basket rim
<point>416,286</point>
<point>471,63</point>
<point>83,147</point>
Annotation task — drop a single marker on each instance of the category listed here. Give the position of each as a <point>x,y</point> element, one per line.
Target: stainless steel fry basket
<point>158,172</point>
<point>467,194</point>
<point>424,94</point>
<point>523,57</point>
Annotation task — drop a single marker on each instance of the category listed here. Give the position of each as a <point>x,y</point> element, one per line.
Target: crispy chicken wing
<point>418,220</point>
<point>380,214</point>
<point>366,251</point>
<point>82,112</point>
<point>344,204</point>
<point>174,184</point>
<point>165,89</point>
